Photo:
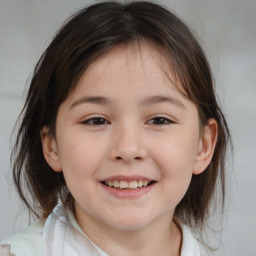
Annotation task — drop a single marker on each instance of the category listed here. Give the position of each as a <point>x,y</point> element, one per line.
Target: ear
<point>50,149</point>
<point>206,146</point>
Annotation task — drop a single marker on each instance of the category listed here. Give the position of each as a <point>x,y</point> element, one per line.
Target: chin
<point>130,222</point>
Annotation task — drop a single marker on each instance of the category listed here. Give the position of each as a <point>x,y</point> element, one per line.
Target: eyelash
<point>163,119</point>
<point>97,121</point>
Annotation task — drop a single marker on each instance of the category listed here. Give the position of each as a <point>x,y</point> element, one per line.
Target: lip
<point>126,178</point>
<point>127,194</point>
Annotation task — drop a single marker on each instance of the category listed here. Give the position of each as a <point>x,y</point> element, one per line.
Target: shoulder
<point>25,243</point>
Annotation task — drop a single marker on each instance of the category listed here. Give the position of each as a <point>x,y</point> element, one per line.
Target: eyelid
<point>168,119</point>
<point>90,118</point>
<point>87,120</point>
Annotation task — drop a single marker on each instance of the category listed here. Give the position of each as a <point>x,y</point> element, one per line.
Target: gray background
<point>227,32</point>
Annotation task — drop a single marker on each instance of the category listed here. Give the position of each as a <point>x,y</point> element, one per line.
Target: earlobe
<point>50,149</point>
<point>206,146</point>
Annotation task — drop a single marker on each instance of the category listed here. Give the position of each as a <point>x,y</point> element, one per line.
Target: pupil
<point>98,121</point>
<point>159,121</point>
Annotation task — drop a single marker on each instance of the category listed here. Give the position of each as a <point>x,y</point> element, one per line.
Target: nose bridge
<point>128,143</point>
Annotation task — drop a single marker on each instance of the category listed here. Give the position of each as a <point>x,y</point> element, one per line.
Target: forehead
<point>127,80</point>
<point>138,64</point>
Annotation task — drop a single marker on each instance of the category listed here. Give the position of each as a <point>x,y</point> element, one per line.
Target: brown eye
<point>160,121</point>
<point>96,121</point>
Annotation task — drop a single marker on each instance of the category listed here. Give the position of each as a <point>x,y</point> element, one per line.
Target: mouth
<point>128,185</point>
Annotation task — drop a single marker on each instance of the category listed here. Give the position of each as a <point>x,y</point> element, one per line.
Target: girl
<point>121,141</point>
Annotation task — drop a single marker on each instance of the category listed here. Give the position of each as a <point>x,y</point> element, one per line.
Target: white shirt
<point>60,235</point>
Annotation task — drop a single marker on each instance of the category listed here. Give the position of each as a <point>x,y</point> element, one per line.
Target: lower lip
<point>129,194</point>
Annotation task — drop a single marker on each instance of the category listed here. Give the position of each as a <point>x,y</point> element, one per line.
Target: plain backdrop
<point>227,32</point>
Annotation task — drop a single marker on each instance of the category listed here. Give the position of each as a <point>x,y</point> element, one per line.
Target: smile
<point>128,185</point>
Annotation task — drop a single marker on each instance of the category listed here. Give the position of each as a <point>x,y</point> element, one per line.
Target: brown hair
<point>89,34</point>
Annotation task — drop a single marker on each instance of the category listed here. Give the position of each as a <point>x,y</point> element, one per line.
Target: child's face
<point>127,122</point>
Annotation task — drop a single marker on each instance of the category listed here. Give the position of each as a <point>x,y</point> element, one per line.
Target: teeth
<point>116,184</point>
<point>122,184</point>
<point>133,184</point>
<point>140,183</point>
<point>110,183</point>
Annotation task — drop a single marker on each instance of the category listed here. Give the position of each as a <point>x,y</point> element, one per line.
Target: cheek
<point>80,162</point>
<point>176,160</point>
<point>177,153</point>
<point>80,158</point>
<point>177,174</point>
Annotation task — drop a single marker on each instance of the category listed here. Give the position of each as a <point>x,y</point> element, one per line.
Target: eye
<point>160,121</point>
<point>95,121</point>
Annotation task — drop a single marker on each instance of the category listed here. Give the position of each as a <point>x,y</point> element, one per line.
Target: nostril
<point>135,158</point>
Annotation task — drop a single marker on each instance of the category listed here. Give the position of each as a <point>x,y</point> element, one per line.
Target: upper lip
<point>126,178</point>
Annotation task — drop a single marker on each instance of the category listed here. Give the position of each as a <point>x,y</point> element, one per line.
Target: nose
<point>128,146</point>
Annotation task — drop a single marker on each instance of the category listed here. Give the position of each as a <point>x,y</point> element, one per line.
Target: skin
<point>159,139</point>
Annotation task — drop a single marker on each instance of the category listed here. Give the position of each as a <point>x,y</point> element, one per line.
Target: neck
<point>161,236</point>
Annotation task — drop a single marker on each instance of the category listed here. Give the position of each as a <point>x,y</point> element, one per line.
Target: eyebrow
<point>100,100</point>
<point>161,99</point>
<point>91,99</point>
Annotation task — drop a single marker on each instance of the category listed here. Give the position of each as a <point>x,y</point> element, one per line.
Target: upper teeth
<point>126,184</point>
